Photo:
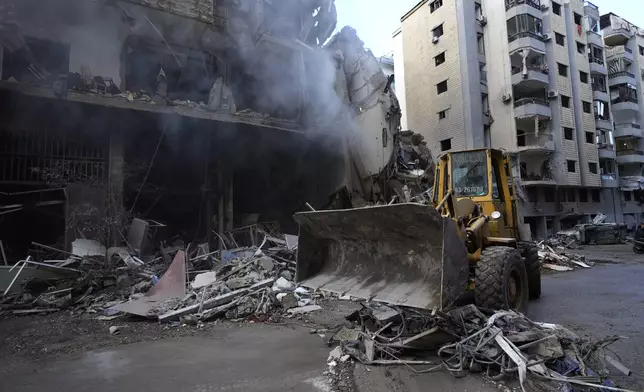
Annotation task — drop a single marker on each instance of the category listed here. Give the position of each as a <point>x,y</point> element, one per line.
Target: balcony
<point>603,123</point>
<point>626,104</point>
<point>536,180</point>
<point>606,151</point>
<point>628,130</point>
<point>594,38</point>
<point>616,36</point>
<point>599,92</point>
<point>619,52</point>
<point>610,180</point>
<point>526,40</point>
<point>620,77</point>
<point>625,157</point>
<point>597,66</point>
<point>483,82</point>
<point>531,107</point>
<point>535,78</point>
<point>509,4</point>
<point>533,144</point>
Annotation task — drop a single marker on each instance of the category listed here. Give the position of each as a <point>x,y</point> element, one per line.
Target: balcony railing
<point>528,101</point>
<point>536,177</point>
<point>484,78</point>
<point>624,99</point>
<point>513,3</point>
<point>599,87</point>
<point>536,68</point>
<point>627,125</point>
<point>596,60</point>
<point>617,50</point>
<point>525,34</point>
<point>544,140</point>
<point>614,75</point>
<point>621,153</point>
<point>589,4</point>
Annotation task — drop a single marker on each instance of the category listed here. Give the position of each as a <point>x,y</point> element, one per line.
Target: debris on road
<point>501,344</point>
<point>595,233</point>
<point>558,259</point>
<point>175,282</point>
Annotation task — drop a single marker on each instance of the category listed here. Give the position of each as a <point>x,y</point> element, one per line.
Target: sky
<point>376,20</point>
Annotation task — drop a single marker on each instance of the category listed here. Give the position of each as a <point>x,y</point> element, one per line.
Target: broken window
<point>568,133</point>
<point>587,107</point>
<point>590,137</point>
<point>581,48</point>
<point>583,77</point>
<point>446,144</point>
<point>601,110</point>
<point>577,18</point>
<point>440,59</point>
<point>592,167</point>
<point>434,5</point>
<point>442,114</point>
<point>549,194</point>
<point>441,87</point>
<point>594,194</point>
<point>572,167</point>
<point>563,69</point>
<point>565,101</point>
<point>556,8</point>
<point>532,194</point>
<point>583,196</point>
<point>150,67</point>
<point>559,39</point>
<point>524,25</point>
<point>437,31</point>
<point>38,61</point>
<point>627,195</point>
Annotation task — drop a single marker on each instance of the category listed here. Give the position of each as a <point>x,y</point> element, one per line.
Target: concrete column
<point>116,179</point>
<point>541,227</point>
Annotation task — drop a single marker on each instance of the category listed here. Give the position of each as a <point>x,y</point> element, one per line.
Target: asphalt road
<point>604,300</point>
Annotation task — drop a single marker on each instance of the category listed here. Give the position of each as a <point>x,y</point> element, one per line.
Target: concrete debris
<point>590,234</point>
<point>500,344</point>
<point>169,284</point>
<point>115,330</point>
<point>305,309</point>
<point>557,259</point>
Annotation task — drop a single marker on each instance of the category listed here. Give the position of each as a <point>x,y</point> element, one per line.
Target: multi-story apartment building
<point>625,66</point>
<point>527,76</point>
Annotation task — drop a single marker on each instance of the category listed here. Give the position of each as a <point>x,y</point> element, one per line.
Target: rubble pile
<point>502,345</point>
<point>177,283</point>
<point>558,259</point>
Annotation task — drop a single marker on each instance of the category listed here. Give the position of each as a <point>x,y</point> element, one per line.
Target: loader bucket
<point>403,254</point>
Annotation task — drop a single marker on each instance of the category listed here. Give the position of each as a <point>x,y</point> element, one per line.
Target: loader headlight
<point>495,215</point>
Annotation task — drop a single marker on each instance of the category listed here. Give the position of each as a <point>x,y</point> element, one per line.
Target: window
<point>583,196</point>
<point>437,31</point>
<point>565,101</point>
<point>569,134</point>
<point>571,166</point>
<point>442,114</point>
<point>590,137</point>
<point>469,173</point>
<point>441,87</point>
<point>583,76</point>
<point>627,195</point>
<point>446,144</point>
<point>572,194</point>
<point>592,167</point>
<point>563,69</point>
<point>594,195</point>
<point>522,25</point>
<point>480,42</point>
<point>556,8</point>
<point>549,194</point>
<point>533,196</point>
<point>641,50</point>
<point>581,48</point>
<point>577,18</point>
<point>434,5</point>
<point>587,107</point>
<point>440,59</point>
<point>559,39</point>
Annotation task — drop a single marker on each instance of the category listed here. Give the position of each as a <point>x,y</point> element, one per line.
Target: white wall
<point>399,72</point>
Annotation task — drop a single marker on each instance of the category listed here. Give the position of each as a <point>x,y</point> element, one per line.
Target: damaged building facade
<point>202,115</point>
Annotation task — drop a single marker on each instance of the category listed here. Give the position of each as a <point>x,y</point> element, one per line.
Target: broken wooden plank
<point>618,365</point>
<point>579,263</point>
<point>555,267</point>
<point>214,302</point>
<point>15,277</point>
<point>24,312</point>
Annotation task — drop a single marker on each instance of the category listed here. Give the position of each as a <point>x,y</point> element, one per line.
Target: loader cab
<point>482,176</point>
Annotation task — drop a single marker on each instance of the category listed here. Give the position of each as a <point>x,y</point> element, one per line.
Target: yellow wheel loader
<point>428,256</point>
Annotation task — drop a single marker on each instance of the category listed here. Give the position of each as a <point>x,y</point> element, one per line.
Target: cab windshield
<point>469,173</point>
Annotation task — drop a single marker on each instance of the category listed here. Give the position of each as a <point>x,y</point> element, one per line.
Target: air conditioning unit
<point>547,37</point>
<point>483,21</point>
<point>553,94</point>
<point>506,97</point>
<point>435,40</point>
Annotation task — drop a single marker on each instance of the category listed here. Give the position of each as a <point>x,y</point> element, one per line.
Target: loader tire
<point>533,268</point>
<point>501,280</point>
